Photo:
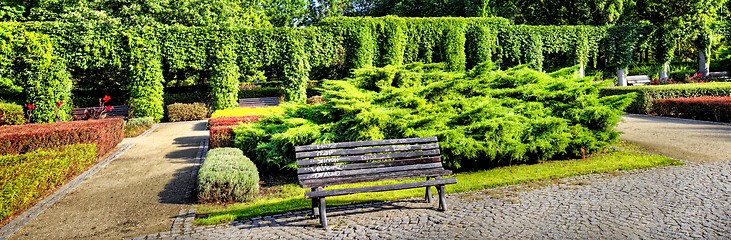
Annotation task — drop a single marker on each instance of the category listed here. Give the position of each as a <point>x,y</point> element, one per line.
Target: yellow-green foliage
<point>26,177</point>
<point>12,114</point>
<point>227,176</point>
<point>242,112</point>
<point>482,118</point>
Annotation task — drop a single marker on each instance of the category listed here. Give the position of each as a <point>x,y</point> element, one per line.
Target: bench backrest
<point>367,161</point>
<point>638,78</point>
<point>117,111</point>
<point>259,102</point>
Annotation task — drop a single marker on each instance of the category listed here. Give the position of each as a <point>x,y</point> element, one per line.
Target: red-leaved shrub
<point>231,121</point>
<point>221,136</point>
<point>19,139</point>
<point>702,108</point>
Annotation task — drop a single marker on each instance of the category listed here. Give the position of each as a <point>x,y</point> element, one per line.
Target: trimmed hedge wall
<point>26,177</point>
<point>646,95</point>
<point>227,176</point>
<point>19,139</point>
<point>716,109</point>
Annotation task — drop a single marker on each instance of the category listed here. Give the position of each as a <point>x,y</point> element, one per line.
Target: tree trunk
<point>665,70</point>
<point>702,63</point>
<point>581,70</point>
<point>622,76</point>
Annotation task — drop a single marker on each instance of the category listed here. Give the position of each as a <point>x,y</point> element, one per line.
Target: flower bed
<point>19,139</point>
<point>231,121</point>
<point>220,129</point>
<point>701,108</point>
<point>26,177</point>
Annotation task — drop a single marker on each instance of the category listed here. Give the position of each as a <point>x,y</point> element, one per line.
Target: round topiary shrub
<point>227,176</point>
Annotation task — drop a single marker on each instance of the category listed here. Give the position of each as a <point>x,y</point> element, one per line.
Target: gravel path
<point>139,193</point>
<point>690,140</point>
<point>685,202</point>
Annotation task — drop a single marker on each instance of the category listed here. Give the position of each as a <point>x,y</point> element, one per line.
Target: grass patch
<point>290,196</point>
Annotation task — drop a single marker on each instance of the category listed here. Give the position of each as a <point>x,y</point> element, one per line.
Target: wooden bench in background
<point>259,102</point>
<point>121,111</point>
<point>321,166</point>
<point>638,80</point>
<point>722,76</point>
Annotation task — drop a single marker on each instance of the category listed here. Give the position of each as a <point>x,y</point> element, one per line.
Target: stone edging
<point>21,220</point>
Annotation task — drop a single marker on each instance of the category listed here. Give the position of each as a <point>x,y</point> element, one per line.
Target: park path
<point>140,192</point>
<point>679,202</point>
<point>690,140</point>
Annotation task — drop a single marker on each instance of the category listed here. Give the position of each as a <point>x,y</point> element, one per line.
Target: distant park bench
<point>259,102</point>
<point>325,165</point>
<point>121,111</point>
<point>638,80</point>
<point>723,76</point>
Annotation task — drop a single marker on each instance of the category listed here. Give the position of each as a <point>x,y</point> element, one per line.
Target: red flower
<point>109,108</point>
<point>30,106</point>
<point>106,98</point>
<point>59,103</point>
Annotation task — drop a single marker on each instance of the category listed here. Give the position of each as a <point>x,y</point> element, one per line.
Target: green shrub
<point>227,176</point>
<point>145,88</point>
<point>482,118</point>
<point>136,126</point>
<point>646,95</point>
<point>187,112</point>
<point>26,177</point>
<point>186,97</point>
<point>12,114</point>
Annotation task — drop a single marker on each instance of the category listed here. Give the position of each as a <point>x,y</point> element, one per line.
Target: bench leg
<point>442,199</point>
<point>323,216</point>
<point>427,196</point>
<point>315,204</point>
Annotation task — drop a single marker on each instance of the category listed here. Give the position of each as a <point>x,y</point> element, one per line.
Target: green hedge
<point>646,95</point>
<point>26,177</point>
<point>12,114</point>
<point>30,69</point>
<point>227,176</point>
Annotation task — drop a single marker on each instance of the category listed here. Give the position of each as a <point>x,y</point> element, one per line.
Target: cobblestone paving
<point>690,201</point>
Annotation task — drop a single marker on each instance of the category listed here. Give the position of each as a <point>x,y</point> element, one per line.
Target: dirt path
<point>141,192</point>
<point>690,140</point>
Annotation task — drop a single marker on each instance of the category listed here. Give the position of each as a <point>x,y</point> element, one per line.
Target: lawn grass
<point>290,196</point>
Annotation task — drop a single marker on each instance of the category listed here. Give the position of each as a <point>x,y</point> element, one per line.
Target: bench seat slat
<point>364,144</point>
<point>369,171</point>
<point>320,182</point>
<point>354,166</point>
<point>346,191</point>
<point>370,157</point>
<point>359,151</point>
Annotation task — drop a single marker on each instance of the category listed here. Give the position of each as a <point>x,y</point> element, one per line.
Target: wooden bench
<point>723,76</point>
<point>321,166</point>
<point>121,111</point>
<point>259,102</point>
<point>638,80</point>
